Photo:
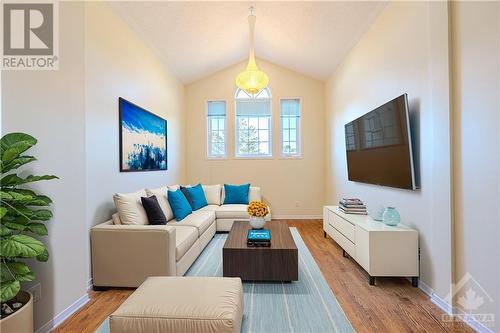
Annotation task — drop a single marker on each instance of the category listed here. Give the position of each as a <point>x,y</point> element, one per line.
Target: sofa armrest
<point>125,255</point>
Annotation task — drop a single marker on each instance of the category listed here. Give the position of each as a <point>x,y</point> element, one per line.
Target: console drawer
<point>344,243</point>
<point>343,226</point>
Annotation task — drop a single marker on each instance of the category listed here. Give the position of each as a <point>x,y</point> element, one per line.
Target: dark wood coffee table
<point>278,262</point>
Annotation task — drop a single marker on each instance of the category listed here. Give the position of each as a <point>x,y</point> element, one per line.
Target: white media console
<point>380,249</point>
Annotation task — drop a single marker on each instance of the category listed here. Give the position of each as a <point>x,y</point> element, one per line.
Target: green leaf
<point>15,197</point>
<point>14,226</point>
<point>20,211</point>
<point>4,231</point>
<point>13,152</point>
<point>26,277</point>
<point>3,211</point>
<point>41,215</point>
<point>38,228</point>
<point>16,163</point>
<point>21,246</point>
<point>9,290</point>
<point>14,180</point>
<point>10,139</point>
<point>24,214</point>
<point>21,270</point>
<point>18,268</point>
<point>44,256</point>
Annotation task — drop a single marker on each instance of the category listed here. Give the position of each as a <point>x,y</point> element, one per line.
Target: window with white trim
<point>290,127</point>
<point>253,124</point>
<point>216,129</point>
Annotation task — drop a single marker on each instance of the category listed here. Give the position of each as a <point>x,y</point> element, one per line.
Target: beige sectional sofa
<point>126,249</point>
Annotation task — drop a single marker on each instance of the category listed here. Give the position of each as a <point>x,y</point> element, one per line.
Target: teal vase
<point>391,216</point>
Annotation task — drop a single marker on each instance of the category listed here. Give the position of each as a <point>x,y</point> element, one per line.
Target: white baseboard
<point>297,217</point>
<point>90,284</point>
<point>65,314</point>
<point>451,310</point>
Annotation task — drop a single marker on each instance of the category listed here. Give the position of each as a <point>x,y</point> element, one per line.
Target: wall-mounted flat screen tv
<point>379,148</point>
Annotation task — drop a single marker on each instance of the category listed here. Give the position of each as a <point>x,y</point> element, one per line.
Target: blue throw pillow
<point>198,199</point>
<point>236,194</point>
<point>179,204</point>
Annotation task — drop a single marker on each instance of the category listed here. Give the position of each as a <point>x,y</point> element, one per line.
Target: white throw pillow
<point>161,195</point>
<point>116,219</point>
<point>129,207</point>
<point>212,193</point>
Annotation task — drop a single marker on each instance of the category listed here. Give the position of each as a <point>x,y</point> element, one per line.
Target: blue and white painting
<point>143,139</point>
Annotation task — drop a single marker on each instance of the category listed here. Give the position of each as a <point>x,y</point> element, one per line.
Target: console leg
<point>414,281</point>
<point>345,254</point>
<point>372,280</point>
<point>324,234</point>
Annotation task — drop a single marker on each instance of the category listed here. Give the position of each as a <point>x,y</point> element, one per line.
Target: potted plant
<point>22,216</point>
<point>257,211</point>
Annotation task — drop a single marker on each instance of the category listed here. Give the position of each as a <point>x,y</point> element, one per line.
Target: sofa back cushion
<point>254,194</point>
<point>197,195</point>
<point>161,195</point>
<point>180,205</point>
<point>130,208</point>
<point>153,210</point>
<point>213,194</point>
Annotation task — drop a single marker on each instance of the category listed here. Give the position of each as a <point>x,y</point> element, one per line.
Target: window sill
<point>253,157</point>
<point>294,157</point>
<point>216,158</point>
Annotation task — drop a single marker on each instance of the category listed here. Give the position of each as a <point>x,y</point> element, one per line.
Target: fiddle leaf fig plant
<point>22,216</point>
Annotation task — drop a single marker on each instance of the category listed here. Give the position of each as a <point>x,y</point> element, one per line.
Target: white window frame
<point>298,154</point>
<point>236,132</point>
<point>208,132</point>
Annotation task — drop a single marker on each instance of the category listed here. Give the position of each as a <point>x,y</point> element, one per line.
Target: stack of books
<point>259,237</point>
<point>352,206</point>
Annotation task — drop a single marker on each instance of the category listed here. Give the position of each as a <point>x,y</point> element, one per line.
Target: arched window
<point>253,124</point>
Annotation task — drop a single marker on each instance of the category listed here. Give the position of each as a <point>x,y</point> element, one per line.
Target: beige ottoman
<point>181,304</point>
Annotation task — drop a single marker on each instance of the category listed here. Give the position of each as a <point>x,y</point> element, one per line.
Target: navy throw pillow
<point>236,194</point>
<point>197,195</point>
<point>188,197</point>
<point>179,204</point>
<point>153,210</point>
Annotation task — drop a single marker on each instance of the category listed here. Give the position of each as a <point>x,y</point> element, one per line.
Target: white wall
<point>50,105</point>
<point>74,114</point>
<point>293,187</point>
<point>476,86</point>
<point>404,51</point>
<point>119,64</point>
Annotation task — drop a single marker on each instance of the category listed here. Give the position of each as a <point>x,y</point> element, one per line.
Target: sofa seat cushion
<point>200,219</point>
<point>185,237</point>
<point>182,304</point>
<point>210,208</point>
<point>232,211</point>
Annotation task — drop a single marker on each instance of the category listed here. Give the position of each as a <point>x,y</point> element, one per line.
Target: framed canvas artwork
<point>143,139</point>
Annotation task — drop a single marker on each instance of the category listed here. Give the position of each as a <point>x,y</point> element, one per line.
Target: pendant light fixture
<point>252,79</point>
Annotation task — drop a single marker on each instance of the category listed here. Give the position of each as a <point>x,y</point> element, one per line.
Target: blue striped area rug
<point>306,305</point>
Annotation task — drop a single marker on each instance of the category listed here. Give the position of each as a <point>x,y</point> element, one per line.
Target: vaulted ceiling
<point>196,39</point>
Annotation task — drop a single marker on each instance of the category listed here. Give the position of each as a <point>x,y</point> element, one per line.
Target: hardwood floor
<point>393,305</point>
